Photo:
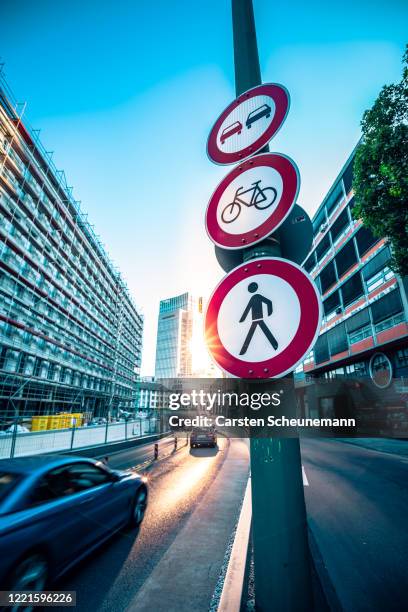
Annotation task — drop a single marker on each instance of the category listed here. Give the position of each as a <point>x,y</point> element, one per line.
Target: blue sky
<point>126,92</point>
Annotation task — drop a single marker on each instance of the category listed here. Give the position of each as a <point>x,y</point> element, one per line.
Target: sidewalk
<point>382,445</point>
<point>185,578</point>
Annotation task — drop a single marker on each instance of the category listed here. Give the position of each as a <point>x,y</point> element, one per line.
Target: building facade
<point>174,337</point>
<point>70,334</point>
<point>150,394</point>
<point>365,308</point>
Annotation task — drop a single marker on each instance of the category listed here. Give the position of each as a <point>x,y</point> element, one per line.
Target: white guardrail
<point>57,440</point>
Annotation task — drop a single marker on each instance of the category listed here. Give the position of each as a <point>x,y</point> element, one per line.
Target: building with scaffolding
<point>70,334</point>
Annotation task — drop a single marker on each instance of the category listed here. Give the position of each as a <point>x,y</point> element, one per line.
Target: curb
<point>233,588</point>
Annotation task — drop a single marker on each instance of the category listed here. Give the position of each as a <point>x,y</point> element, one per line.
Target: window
<point>327,277</point>
<point>402,357</point>
<point>348,176</point>
<point>52,486</point>
<point>318,222</point>
<point>386,306</point>
<point>365,240</point>
<point>68,480</point>
<point>360,319</point>
<point>310,262</point>
<point>352,289</point>
<point>323,247</point>
<point>331,303</point>
<point>379,279</point>
<point>377,263</point>
<point>357,369</point>
<point>360,334</point>
<point>321,349</point>
<point>390,322</point>
<point>337,339</point>
<point>339,225</point>
<point>335,198</point>
<point>84,476</point>
<point>346,258</point>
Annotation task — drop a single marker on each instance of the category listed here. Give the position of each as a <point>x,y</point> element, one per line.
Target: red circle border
<point>291,184</point>
<point>304,339</point>
<point>279,95</point>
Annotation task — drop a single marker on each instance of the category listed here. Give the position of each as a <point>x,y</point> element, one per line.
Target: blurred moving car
<point>258,113</point>
<point>55,510</point>
<point>203,437</point>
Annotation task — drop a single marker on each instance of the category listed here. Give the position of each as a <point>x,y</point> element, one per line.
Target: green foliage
<point>380,180</point>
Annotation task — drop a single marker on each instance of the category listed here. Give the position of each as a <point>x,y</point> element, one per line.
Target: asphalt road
<point>357,505</point>
<point>111,577</point>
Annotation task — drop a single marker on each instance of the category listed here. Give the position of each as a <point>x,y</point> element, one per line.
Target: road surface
<point>180,488</point>
<point>357,505</point>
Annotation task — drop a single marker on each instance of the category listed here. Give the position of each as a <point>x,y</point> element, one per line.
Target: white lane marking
<point>305,480</point>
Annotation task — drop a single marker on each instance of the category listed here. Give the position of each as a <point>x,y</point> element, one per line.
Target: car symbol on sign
<point>258,113</point>
<point>230,130</point>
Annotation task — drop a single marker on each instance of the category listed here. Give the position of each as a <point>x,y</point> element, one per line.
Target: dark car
<point>258,113</point>
<point>230,130</point>
<point>55,509</point>
<point>203,437</point>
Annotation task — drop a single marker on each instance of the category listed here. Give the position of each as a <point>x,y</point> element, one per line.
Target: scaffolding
<point>53,231</point>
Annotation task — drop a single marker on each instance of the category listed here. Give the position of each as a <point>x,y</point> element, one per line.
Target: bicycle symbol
<point>259,198</point>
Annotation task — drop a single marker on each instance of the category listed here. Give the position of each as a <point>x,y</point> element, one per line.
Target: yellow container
<point>54,422</point>
<point>64,420</point>
<point>39,423</point>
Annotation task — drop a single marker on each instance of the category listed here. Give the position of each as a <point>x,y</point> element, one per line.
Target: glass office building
<point>365,304</point>
<point>70,334</point>
<point>174,337</point>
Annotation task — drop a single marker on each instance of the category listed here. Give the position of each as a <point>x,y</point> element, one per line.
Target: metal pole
<point>279,526</point>
<point>14,438</point>
<point>72,436</point>
<point>107,426</point>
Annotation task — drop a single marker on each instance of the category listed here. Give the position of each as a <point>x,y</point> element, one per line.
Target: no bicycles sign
<point>252,201</point>
<point>263,319</point>
<point>248,123</point>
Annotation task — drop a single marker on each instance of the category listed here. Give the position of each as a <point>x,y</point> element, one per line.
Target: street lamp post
<point>279,526</point>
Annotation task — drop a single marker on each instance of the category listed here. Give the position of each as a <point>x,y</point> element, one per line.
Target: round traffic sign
<point>252,201</point>
<point>248,123</point>
<point>263,319</point>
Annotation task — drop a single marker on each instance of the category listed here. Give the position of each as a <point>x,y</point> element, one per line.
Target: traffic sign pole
<point>279,527</point>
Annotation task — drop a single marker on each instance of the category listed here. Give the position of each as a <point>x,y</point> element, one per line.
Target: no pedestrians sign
<point>263,319</point>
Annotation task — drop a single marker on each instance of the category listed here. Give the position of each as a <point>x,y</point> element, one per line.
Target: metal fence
<point>16,444</point>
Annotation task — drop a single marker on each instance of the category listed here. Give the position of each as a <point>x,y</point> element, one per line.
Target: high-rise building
<point>174,337</point>
<point>70,334</point>
<point>365,304</point>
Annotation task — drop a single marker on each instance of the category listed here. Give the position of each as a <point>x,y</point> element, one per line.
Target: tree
<point>380,180</point>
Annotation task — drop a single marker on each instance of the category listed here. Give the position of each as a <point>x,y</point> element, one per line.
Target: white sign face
<point>259,318</point>
<point>263,318</point>
<point>252,201</point>
<point>245,124</point>
<point>248,123</point>
<point>249,200</point>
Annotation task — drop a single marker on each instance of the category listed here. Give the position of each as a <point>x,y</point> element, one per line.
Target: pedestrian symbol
<point>255,307</point>
<point>263,318</point>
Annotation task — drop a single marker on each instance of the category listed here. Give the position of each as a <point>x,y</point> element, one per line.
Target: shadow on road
<point>112,555</point>
<point>204,452</point>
